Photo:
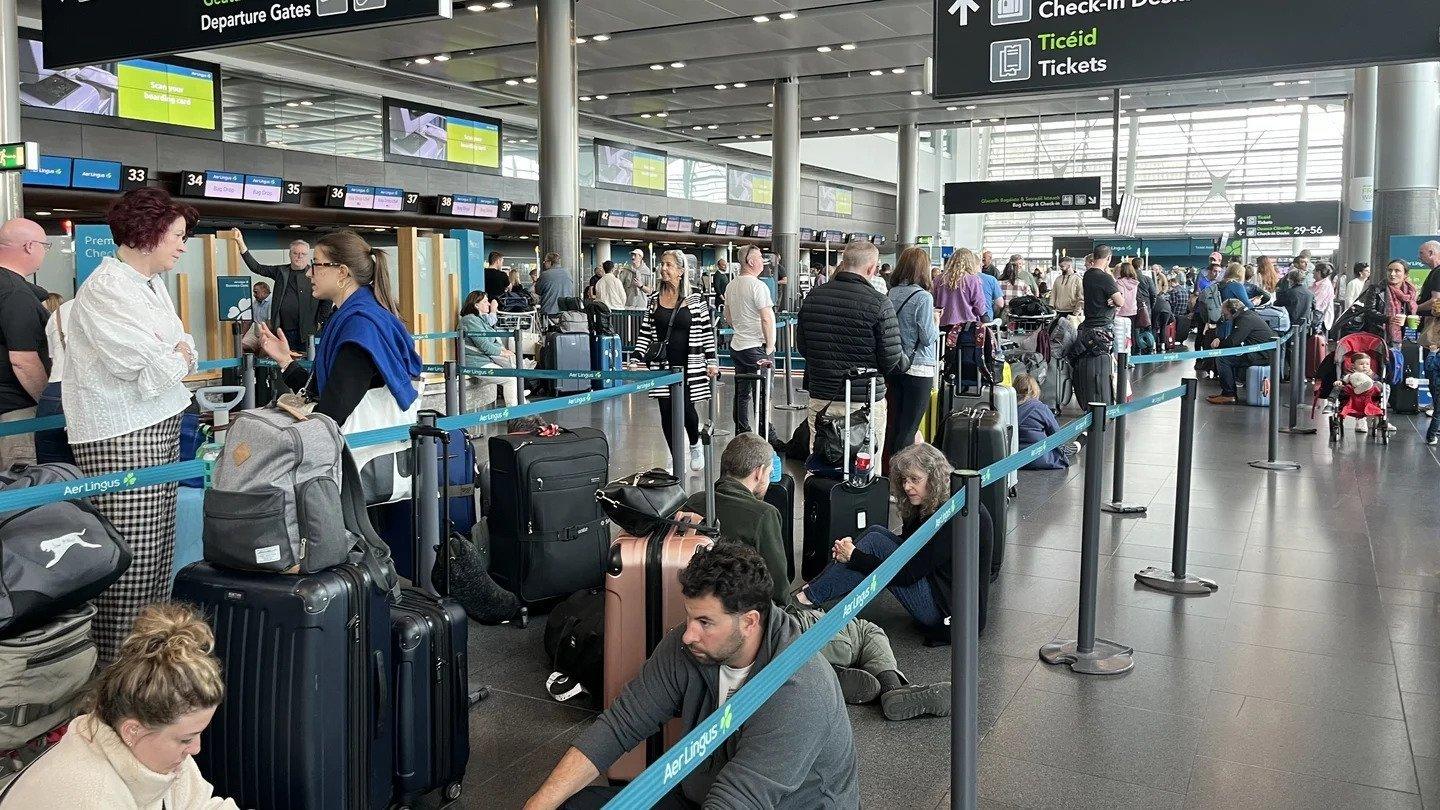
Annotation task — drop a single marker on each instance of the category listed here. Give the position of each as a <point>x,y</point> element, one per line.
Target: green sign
<point>15,157</point>
<point>234,298</point>
<point>165,94</point>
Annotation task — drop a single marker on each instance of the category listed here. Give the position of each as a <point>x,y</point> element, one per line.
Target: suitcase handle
<point>382,691</point>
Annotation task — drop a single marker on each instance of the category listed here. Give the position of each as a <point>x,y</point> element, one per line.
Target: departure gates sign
<point>85,32</point>
<point>1008,47</point>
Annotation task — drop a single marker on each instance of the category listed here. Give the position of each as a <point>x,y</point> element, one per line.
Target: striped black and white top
<point>701,351</point>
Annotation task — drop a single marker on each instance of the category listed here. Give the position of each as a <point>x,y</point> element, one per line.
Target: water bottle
<point>775,468</point>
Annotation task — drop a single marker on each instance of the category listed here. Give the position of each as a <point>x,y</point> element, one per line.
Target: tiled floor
<point>1311,678</point>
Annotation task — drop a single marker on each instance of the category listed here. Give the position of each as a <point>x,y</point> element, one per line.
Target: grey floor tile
<point>1017,633</point>
<point>506,727</point>
<point>1313,595</point>
<point>1018,783</point>
<point>1164,632</point>
<point>1422,717</point>
<point>1037,561</point>
<point>1429,770</point>
<point>1353,567</point>
<point>1054,597</point>
<point>1418,668</point>
<point>1066,536</point>
<point>1095,737</point>
<point>1118,584</point>
<point>1325,681</point>
<point>1364,637</point>
<point>1413,582</point>
<point>1217,784</point>
<point>1409,598</point>
<point>512,785</point>
<point>1332,744</point>
<point>1160,551</point>
<point>1157,683</point>
<point>1411,625</point>
<point>1202,537</point>
<point>1228,519</point>
<point>896,754</point>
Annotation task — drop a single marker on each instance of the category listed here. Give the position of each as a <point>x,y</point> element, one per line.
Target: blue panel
<point>54,171</point>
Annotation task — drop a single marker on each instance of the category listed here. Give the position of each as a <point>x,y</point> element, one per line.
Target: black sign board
<point>807,234</point>
<point>1262,220</point>
<point>87,33</point>
<point>1006,47</point>
<point>759,231</point>
<point>830,236</point>
<point>1005,196</point>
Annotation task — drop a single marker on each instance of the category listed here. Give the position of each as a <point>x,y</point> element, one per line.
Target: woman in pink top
<point>1129,285</point>
<point>1324,291</point>
<point>959,293</point>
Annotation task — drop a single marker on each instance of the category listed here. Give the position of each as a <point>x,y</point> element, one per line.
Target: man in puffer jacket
<point>845,325</point>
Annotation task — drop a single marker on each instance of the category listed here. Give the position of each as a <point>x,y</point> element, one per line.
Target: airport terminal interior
<point>1240,528</point>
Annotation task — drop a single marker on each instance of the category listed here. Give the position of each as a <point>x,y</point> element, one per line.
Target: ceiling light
<point>581,40</point>
<point>917,92</point>
<point>601,97</point>
<point>1278,84</point>
<point>584,98</point>
<point>529,80</point>
<point>1125,97</point>
<point>897,71</point>
<point>645,115</point>
<point>307,104</point>
<point>833,117</point>
<point>1303,81</point>
<point>657,67</point>
<point>503,4</point>
<point>1303,98</point>
<point>442,57</point>
<point>738,85</point>
<point>877,73</point>
<point>849,46</point>
<point>677,64</point>
<point>295,227</point>
<point>760,18</point>
<point>816,118</point>
<point>722,87</point>
<point>377,116</point>
<point>601,37</point>
<point>512,82</point>
<point>854,129</point>
<point>1102,98</point>
<point>524,140</point>
<point>292,104</point>
<point>869,129</point>
<point>771,105</point>
<point>994,120</point>
<point>788,15</point>
<point>477,7</point>
<point>1141,109</point>
<point>713,126</point>
<point>275,144</point>
<point>824,49</point>
<point>662,115</point>
<point>1281,100</point>
<point>951,109</point>
<point>697,127</point>
<point>42,213</point>
<point>969,106</point>
<point>422,60</point>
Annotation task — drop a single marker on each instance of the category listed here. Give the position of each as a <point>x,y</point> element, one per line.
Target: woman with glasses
<point>126,357</point>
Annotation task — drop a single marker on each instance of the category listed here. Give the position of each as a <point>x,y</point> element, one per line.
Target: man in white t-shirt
<point>640,281</point>
<point>751,312</point>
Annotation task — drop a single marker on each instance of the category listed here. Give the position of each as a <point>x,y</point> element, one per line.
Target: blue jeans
<point>1229,369</point>
<point>52,446</point>
<point>1434,431</point>
<point>838,579</point>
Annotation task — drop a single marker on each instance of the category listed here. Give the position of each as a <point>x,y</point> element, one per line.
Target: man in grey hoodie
<point>796,751</point>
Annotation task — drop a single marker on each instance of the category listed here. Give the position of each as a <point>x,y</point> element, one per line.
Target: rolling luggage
<point>1001,398</point>
<point>305,658</point>
<point>1317,348</point>
<point>607,354</point>
<point>781,492</point>
<point>548,536</point>
<point>1090,376</point>
<point>430,699</point>
<point>568,351</point>
<point>459,472</point>
<point>1257,386</point>
<point>1403,398</point>
<point>845,507</point>
<point>974,438</point>
<point>642,603</point>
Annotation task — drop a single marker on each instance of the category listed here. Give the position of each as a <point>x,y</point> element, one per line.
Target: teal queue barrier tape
<point>23,426</point>
<point>1206,354</point>
<point>692,749</point>
<point>437,336</point>
<point>783,320</point>
<point>12,500</point>
<point>1008,465</point>
<point>490,334</point>
<point>212,365</point>
<point>265,362</point>
<point>1144,402</point>
<point>561,374</point>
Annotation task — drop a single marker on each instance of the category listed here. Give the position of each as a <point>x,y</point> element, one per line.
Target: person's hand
<point>844,547</point>
<point>631,365</point>
<point>1215,344</point>
<point>507,353</point>
<point>1396,320</point>
<point>712,371</point>
<point>768,361</point>
<point>239,240</point>
<point>185,352</point>
<point>274,344</point>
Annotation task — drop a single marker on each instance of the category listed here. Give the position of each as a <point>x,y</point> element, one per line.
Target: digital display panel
<point>440,137</point>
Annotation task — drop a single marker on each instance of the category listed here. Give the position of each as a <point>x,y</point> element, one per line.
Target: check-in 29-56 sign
<point>1003,47</point>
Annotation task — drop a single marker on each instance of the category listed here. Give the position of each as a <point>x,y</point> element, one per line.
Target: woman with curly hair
<point>920,481</point>
<point>126,356</point>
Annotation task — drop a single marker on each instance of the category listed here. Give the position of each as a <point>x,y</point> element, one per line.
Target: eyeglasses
<point>45,242</point>
<point>315,264</point>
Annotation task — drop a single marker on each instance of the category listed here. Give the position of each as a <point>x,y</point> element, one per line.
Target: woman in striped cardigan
<point>679,320</point>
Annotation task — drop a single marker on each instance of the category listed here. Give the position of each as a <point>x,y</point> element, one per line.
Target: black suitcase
<point>548,536</point>
<point>567,351</point>
<point>842,508</point>
<point>1090,379</point>
<point>1403,398</point>
<point>432,672</point>
<point>973,439</point>
<point>305,658</point>
<point>780,494</point>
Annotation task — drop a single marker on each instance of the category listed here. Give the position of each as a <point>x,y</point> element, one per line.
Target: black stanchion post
<point>1298,374</point>
<point>427,500</point>
<point>519,338</point>
<point>247,379</point>
<point>1116,505</point>
<point>1271,461</point>
<point>452,388</point>
<point>788,330</point>
<point>678,443</point>
<point>1176,580</point>
<point>965,644</point>
<point>1087,654</point>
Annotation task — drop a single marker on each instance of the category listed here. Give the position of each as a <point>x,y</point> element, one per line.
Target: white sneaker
<point>1362,426</point>
<point>697,458</point>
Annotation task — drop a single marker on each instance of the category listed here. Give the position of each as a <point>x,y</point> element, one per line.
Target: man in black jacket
<point>294,307</point>
<point>1248,329</point>
<point>844,324</point>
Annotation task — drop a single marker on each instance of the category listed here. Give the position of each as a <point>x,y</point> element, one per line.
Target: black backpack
<point>1030,306</point>
<point>575,640</point>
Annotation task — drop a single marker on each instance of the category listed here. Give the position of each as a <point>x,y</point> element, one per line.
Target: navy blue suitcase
<point>431,700</point>
<point>607,353</point>
<point>396,521</point>
<point>307,660</point>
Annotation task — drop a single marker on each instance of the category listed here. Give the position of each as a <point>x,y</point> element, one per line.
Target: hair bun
<point>168,631</point>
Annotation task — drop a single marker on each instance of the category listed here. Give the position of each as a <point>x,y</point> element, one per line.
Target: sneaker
<point>1070,449</point>
<point>909,702</point>
<point>697,458</point>
<point>1220,399</point>
<point>858,686</point>
<point>1432,440</point>
<point>1391,427</point>
<point>1362,426</point>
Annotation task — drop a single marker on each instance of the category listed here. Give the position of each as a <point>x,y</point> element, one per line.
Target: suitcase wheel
<point>452,791</point>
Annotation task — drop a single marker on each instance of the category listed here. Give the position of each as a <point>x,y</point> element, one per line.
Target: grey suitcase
<point>568,351</point>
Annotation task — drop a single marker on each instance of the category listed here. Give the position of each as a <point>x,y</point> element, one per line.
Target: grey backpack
<point>285,497</point>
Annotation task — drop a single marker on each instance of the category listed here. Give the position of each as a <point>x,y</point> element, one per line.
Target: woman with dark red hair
<point>127,355</point>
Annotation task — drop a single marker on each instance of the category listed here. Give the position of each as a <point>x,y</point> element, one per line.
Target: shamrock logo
<point>727,719</point>
<point>129,479</point>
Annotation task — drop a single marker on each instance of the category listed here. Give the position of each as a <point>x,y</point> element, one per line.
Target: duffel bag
<point>42,673</point>
<point>56,556</point>
<point>575,645</point>
<point>641,503</point>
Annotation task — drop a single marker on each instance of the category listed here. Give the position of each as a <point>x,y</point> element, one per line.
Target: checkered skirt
<point>145,517</point>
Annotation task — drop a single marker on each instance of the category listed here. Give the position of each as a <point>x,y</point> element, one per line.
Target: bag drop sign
<point>1004,47</point>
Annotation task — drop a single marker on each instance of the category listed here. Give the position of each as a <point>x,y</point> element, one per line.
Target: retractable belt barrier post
<point>1298,374</point>
<point>965,573</point>
<point>453,384</point>
<point>1176,580</point>
<point>1087,654</point>
<point>789,334</point>
<point>247,378</point>
<point>678,444</point>
<point>1116,505</point>
<point>519,340</point>
<point>1271,462</point>
<point>427,501</point>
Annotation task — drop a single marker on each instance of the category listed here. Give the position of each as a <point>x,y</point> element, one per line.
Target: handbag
<point>830,438</point>
<point>659,351</point>
<point>385,469</point>
<point>644,502</point>
<point>1142,314</point>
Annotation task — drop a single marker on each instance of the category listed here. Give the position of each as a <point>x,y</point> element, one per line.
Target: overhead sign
<point>1005,47</point>
<point>19,156</point>
<point>1262,220</point>
<point>84,33</point>
<point>1008,196</point>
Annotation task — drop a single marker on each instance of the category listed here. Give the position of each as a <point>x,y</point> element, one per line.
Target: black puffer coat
<point>845,324</point>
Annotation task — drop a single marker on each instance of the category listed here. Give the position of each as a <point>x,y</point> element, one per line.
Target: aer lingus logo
<point>129,479</point>
<point>727,719</point>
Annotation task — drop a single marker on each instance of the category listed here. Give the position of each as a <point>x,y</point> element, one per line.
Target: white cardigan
<point>91,769</point>
<point>122,372</point>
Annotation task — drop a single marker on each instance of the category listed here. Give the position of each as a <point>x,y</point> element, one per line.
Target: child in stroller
<point>1355,380</point>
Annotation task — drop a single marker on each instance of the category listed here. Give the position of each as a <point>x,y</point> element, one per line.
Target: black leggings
<point>692,420</point>
<point>908,398</point>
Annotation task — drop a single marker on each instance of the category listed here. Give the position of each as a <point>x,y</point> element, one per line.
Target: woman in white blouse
<point>127,355</point>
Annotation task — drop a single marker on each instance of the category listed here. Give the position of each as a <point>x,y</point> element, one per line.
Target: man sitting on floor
<point>1248,329</point>
<point>796,751</point>
<point>861,653</point>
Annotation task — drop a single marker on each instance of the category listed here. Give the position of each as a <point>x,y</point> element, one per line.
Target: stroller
<point>1342,400</point>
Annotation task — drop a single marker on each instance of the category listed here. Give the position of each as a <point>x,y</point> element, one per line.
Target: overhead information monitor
<point>430,136</point>
<point>81,33</point>
<point>837,200</point>
<point>1262,220</point>
<point>623,167</point>
<point>1005,196</point>
<point>1006,47</point>
<point>750,187</point>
